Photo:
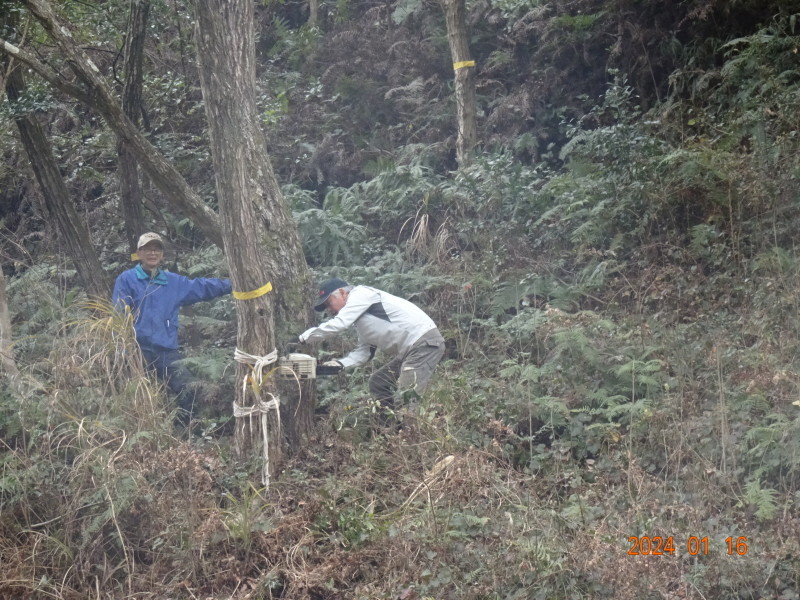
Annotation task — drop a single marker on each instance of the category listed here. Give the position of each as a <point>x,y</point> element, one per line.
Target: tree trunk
<point>7,363</point>
<point>313,12</point>
<point>261,241</point>
<point>95,93</point>
<point>57,202</point>
<point>464,66</point>
<point>128,168</point>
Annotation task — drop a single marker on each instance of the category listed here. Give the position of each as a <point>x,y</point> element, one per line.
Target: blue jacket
<point>155,301</point>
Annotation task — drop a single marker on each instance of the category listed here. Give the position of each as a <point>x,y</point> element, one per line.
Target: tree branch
<point>44,71</point>
<point>99,96</point>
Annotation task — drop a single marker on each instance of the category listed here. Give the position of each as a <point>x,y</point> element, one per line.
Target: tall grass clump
<point>89,458</point>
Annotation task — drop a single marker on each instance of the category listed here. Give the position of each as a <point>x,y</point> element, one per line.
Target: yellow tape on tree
<point>255,293</point>
<point>463,64</point>
<point>134,256</point>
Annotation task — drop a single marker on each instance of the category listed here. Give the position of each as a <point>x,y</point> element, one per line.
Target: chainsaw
<point>303,366</point>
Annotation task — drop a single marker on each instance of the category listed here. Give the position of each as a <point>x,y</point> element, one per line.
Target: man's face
<point>335,302</point>
<point>151,255</point>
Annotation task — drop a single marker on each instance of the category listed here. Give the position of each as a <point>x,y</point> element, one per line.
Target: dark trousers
<point>409,371</point>
<point>175,376</point>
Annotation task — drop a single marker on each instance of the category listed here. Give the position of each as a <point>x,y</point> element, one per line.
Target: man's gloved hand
<point>332,366</point>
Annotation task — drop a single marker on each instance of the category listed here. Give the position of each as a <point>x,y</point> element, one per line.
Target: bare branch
<point>45,72</point>
<point>76,58</point>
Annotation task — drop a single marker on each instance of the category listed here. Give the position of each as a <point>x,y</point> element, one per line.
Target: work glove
<point>332,366</point>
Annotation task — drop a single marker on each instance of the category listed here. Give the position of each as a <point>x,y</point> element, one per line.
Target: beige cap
<point>146,238</point>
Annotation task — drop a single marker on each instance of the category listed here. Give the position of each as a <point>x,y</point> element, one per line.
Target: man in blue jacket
<point>154,296</point>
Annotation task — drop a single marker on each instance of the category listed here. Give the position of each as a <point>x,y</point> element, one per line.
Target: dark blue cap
<point>325,290</point>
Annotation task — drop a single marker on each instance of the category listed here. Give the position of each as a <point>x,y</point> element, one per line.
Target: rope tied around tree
<point>258,363</point>
<point>261,408</point>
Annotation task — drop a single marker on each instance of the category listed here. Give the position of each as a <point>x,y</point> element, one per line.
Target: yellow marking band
<point>134,256</point>
<point>255,293</point>
<point>462,64</point>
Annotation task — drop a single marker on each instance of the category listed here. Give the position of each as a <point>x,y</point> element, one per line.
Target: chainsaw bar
<point>323,370</point>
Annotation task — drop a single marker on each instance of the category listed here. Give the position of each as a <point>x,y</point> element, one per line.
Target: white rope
<point>258,362</point>
<point>263,407</point>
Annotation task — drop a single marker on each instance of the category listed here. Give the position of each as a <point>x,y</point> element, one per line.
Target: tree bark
<point>464,66</point>
<point>95,93</point>
<point>7,363</point>
<point>57,202</point>
<point>261,241</point>
<point>128,168</point>
<point>313,12</point>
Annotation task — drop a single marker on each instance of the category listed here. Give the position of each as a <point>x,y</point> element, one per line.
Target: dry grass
<point>434,248</point>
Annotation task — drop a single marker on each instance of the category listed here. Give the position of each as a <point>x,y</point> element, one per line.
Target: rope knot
<point>261,408</point>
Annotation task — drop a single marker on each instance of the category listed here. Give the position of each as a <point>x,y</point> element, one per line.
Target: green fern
<point>550,410</point>
<point>762,498</point>
<point>211,364</point>
<point>628,409</point>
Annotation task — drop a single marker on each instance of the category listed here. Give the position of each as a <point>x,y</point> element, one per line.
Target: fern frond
<point>762,498</point>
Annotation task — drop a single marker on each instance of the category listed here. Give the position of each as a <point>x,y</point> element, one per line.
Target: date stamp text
<point>657,545</point>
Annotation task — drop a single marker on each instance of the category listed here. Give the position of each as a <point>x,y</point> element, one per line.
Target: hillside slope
<point>618,414</point>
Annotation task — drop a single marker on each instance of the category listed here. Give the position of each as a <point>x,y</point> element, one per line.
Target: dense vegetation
<point>616,275</point>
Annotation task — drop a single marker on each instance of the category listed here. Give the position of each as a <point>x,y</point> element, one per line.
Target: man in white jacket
<point>383,322</point>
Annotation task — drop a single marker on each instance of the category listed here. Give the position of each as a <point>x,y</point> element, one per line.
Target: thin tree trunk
<point>261,241</point>
<point>95,93</point>
<point>57,201</point>
<point>7,363</point>
<point>128,168</point>
<point>313,12</point>
<point>464,66</point>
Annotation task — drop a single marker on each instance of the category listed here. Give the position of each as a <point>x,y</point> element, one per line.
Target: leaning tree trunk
<point>95,92</point>
<point>57,202</point>
<point>128,168</point>
<point>261,241</point>
<point>464,67</point>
